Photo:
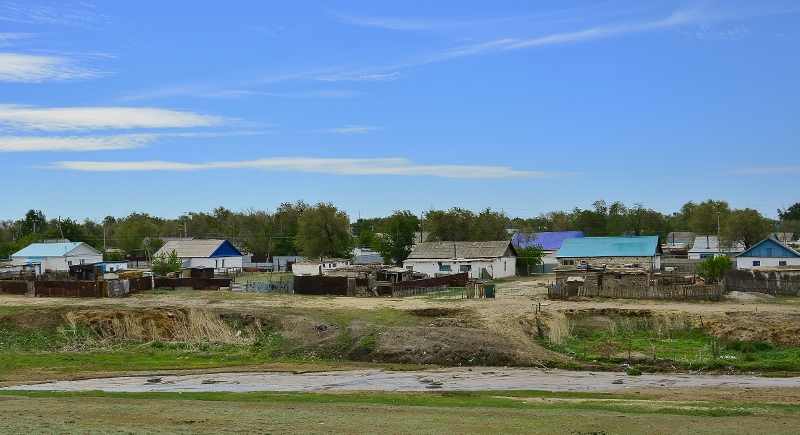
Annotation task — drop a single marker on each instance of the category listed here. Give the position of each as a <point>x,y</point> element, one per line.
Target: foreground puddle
<point>476,378</point>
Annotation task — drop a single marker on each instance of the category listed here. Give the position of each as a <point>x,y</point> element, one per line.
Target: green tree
<point>790,214</point>
<point>284,228</point>
<point>713,268</point>
<point>490,225</point>
<point>528,257</point>
<point>396,236</point>
<point>704,218</point>
<point>324,231</point>
<point>34,223</point>
<point>132,231</point>
<point>746,226</point>
<point>162,264</point>
<point>454,225</point>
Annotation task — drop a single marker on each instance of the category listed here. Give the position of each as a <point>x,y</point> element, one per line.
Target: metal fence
<point>400,292</point>
<point>263,287</point>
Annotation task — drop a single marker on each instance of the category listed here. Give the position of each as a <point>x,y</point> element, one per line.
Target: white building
<point>479,259</point>
<point>768,253</point>
<point>318,267</point>
<point>44,257</point>
<point>216,253</point>
<point>706,246</point>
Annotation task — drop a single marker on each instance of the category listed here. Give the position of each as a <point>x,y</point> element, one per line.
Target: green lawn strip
<point>655,348</point>
<point>458,399</point>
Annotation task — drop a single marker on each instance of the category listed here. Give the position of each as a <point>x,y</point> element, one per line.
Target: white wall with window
<point>497,268</point>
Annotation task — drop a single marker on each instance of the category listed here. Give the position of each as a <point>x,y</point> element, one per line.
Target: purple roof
<point>550,240</point>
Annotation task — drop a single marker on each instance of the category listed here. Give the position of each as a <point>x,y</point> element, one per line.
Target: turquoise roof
<point>44,250</point>
<point>587,247</point>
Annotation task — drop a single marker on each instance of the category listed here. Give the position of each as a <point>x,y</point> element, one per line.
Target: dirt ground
<point>502,331</point>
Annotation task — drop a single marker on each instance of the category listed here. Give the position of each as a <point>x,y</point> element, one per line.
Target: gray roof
<point>442,250</point>
<point>710,244</point>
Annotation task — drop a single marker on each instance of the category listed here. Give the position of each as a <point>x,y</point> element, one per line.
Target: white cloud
<point>350,129</point>
<point>96,143</point>
<point>75,143</point>
<point>100,118</point>
<point>59,15</point>
<point>23,68</point>
<point>385,166</point>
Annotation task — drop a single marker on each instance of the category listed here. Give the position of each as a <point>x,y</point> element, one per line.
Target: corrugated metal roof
<point>710,244</point>
<point>195,248</point>
<point>44,250</point>
<point>434,250</point>
<point>550,240</point>
<point>587,247</point>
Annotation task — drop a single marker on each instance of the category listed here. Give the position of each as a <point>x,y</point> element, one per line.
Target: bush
<point>633,371</point>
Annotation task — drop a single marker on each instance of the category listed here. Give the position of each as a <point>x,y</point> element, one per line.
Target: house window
<point>504,266</point>
<point>568,262</point>
<point>444,268</point>
<point>409,267</point>
<point>702,256</point>
<point>465,267</point>
<point>83,261</point>
<point>69,263</point>
<point>756,263</point>
<point>781,263</point>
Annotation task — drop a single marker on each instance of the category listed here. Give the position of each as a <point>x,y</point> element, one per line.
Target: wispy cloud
<point>75,143</point>
<point>58,15</point>
<point>386,166</point>
<point>762,171</point>
<point>24,68</point>
<point>350,129</point>
<point>10,144</point>
<point>6,38</point>
<point>358,76</point>
<point>238,94</point>
<point>100,118</point>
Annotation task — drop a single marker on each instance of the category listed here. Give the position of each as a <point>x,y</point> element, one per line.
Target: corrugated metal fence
<point>263,287</point>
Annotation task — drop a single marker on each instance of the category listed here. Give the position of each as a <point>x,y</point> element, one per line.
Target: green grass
<point>654,344</point>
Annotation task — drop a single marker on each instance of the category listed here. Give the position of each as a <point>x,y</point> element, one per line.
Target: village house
<point>706,246</point>
<point>480,260</point>
<point>769,252</point>
<point>51,257</point>
<point>216,253</point>
<point>617,261</point>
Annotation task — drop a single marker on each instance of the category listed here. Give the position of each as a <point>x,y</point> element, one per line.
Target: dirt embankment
<point>447,331</point>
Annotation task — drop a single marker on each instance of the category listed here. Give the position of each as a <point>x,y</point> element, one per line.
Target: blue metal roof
<point>550,240</point>
<point>587,247</point>
<point>44,250</point>
<point>769,248</point>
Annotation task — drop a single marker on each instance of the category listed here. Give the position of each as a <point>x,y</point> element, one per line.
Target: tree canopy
<point>395,236</point>
<point>324,231</point>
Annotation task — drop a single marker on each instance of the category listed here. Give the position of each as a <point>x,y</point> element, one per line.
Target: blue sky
<point>168,107</point>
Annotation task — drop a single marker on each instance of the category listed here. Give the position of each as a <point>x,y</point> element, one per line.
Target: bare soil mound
<point>779,329</point>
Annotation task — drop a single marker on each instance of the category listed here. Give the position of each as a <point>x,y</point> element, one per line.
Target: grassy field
<point>659,343</point>
<point>367,413</point>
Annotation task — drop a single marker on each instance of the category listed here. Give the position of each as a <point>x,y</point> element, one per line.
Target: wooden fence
<point>771,282</point>
<point>668,292</point>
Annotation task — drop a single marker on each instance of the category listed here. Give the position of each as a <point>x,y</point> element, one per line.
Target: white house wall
<point>747,262</point>
<point>497,268</point>
<point>216,263</point>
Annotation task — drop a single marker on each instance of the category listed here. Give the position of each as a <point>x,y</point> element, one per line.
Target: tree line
<point>323,230</point>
